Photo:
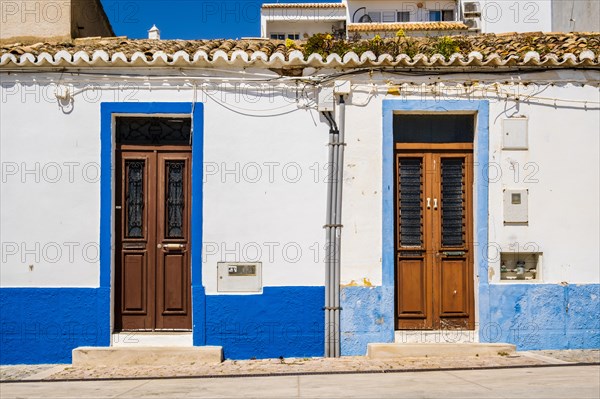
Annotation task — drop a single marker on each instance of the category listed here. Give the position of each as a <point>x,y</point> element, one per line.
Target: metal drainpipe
<point>330,253</point>
<point>338,224</point>
<point>328,223</point>
<point>333,231</point>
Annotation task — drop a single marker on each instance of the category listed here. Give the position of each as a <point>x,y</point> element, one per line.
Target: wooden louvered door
<point>434,268</point>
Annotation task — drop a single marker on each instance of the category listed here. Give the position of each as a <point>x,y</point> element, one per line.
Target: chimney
<point>154,33</point>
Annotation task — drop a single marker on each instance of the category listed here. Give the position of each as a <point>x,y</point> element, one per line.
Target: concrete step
<point>147,356</point>
<point>135,338</point>
<point>436,336</point>
<point>394,351</point>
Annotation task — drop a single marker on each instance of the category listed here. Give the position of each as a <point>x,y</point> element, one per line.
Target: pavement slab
<point>582,382</point>
<point>296,366</point>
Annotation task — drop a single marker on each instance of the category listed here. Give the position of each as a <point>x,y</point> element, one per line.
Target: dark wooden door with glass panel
<point>434,277</point>
<point>152,258</point>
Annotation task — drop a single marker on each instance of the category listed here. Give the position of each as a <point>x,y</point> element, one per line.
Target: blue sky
<point>187,19</point>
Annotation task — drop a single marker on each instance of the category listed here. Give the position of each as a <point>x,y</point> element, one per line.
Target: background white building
<point>365,18</point>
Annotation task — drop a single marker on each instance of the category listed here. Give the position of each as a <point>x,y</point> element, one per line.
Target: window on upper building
<point>375,16</point>
<point>403,16</point>
<point>283,36</point>
<point>435,16</point>
<point>448,15</point>
<point>388,16</point>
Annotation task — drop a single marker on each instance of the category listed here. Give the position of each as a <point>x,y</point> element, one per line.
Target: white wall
<point>279,211</point>
<point>561,172</point>
<point>563,205</point>
<point>278,206</point>
<point>501,16</point>
<point>50,197</point>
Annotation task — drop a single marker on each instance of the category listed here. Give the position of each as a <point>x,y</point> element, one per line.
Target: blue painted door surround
<point>195,110</point>
<point>368,314</point>
<point>480,157</point>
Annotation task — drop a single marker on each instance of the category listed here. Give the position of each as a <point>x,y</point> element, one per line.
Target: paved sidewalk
<point>561,382</point>
<point>298,366</point>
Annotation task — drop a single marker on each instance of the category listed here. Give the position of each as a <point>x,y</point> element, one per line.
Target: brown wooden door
<point>152,277</point>
<point>434,268</point>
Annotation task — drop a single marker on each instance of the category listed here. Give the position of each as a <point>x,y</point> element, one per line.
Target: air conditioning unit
<point>473,23</point>
<point>472,7</point>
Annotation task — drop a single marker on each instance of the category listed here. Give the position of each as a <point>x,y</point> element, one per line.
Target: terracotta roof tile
<point>406,26</point>
<point>304,5</point>
<point>536,49</point>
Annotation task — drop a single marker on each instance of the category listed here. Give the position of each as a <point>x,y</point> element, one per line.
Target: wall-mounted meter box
<point>325,101</point>
<point>515,206</point>
<point>514,133</point>
<point>239,277</point>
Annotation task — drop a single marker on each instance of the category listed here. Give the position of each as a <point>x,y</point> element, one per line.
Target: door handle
<point>435,203</point>
<point>428,203</point>
<point>454,253</point>
<point>171,247</point>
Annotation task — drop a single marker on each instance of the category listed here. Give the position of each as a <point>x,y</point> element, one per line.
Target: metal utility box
<point>515,206</point>
<point>239,277</point>
<point>514,134</point>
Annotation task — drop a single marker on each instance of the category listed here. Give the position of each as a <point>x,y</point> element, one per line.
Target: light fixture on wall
<point>62,93</point>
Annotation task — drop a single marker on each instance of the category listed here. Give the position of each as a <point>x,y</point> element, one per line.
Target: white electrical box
<point>514,133</point>
<point>341,87</point>
<point>325,99</point>
<point>239,277</point>
<point>515,206</point>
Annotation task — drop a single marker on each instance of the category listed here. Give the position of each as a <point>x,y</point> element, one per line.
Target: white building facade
<point>366,18</point>
<point>107,155</point>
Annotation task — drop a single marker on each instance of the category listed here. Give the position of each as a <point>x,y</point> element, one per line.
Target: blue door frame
<point>481,184</point>
<point>196,111</point>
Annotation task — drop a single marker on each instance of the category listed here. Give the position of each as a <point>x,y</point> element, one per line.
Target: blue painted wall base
<point>544,316</point>
<point>283,321</point>
<point>364,319</point>
<point>43,325</point>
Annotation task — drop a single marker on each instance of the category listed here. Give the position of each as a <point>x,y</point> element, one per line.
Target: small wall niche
<point>520,266</point>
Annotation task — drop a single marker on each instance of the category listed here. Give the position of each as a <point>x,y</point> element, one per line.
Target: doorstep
<point>142,338</point>
<point>398,350</point>
<point>446,336</point>
<point>146,356</point>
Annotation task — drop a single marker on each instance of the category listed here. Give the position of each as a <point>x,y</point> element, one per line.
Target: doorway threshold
<point>446,336</point>
<point>152,339</point>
